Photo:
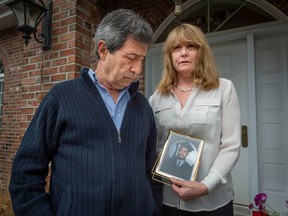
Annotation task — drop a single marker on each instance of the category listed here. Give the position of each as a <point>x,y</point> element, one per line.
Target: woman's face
<point>184,57</point>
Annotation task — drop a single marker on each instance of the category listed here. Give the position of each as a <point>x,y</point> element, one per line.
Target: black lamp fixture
<point>29,15</point>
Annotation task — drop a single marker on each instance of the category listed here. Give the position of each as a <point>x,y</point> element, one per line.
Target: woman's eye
<point>191,46</point>
<point>177,47</point>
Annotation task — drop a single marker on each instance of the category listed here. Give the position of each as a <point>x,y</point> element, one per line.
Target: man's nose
<point>137,67</point>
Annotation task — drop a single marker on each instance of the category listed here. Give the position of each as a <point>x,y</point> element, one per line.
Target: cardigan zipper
<point>131,97</point>
<point>119,133</point>
<point>119,137</point>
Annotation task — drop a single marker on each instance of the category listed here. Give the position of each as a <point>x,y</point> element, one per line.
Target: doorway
<point>258,68</point>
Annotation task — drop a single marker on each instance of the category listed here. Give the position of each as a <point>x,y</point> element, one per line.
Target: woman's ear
<point>102,50</point>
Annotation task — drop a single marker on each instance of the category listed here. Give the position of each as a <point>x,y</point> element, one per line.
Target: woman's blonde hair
<point>204,73</point>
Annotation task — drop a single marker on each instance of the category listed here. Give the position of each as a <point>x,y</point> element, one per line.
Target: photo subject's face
<point>183,152</point>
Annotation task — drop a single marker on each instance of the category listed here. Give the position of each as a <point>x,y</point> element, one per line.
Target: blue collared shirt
<point>117,109</point>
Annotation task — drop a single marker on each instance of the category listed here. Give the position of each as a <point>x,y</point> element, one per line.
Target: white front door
<point>153,68</point>
<point>231,59</point>
<point>272,118</point>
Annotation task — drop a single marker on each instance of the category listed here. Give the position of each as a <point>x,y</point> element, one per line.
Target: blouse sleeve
<point>230,145</point>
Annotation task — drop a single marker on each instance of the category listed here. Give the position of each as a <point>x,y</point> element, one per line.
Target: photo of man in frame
<point>179,160</point>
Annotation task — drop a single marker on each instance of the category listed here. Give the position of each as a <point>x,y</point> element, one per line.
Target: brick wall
<point>11,52</point>
<point>30,73</point>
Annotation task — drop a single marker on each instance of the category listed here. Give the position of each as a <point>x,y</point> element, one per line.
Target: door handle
<point>244,136</point>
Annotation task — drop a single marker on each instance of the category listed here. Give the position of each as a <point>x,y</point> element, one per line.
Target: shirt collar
<point>93,77</point>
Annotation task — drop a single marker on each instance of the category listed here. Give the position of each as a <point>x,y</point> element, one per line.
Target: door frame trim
<point>252,130</point>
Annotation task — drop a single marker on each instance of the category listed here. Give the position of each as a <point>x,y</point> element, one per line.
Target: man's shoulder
<point>68,83</point>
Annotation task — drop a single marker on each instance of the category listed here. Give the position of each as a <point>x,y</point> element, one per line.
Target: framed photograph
<point>180,158</point>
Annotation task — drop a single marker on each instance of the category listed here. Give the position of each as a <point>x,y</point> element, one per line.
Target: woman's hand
<point>187,190</point>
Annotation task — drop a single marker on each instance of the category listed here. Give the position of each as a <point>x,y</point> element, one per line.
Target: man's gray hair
<point>120,24</point>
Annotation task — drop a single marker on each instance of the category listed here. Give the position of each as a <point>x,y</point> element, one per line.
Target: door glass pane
<point>1,87</point>
<point>223,15</point>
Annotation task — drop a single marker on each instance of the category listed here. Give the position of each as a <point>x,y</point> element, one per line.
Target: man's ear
<point>102,49</point>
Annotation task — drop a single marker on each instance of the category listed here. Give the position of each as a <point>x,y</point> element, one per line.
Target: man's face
<point>123,66</point>
<point>182,153</point>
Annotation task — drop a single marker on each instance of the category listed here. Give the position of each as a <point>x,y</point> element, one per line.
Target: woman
<point>193,100</point>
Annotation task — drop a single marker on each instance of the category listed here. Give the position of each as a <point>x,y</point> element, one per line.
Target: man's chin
<point>120,87</point>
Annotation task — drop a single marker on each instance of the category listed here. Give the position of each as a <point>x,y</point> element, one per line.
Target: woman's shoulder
<point>159,99</point>
<point>227,87</point>
<point>225,83</point>
<point>155,96</point>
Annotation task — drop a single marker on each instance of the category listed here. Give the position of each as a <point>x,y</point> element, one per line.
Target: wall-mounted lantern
<point>178,7</point>
<point>29,15</point>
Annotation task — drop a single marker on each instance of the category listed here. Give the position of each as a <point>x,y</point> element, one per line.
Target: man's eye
<point>131,57</point>
<point>142,58</point>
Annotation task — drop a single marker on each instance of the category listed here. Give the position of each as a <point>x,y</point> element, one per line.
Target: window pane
<point>1,86</point>
<point>1,95</point>
<point>223,15</point>
<point>1,68</point>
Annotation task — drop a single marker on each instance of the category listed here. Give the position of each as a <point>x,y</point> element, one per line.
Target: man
<point>178,166</point>
<point>98,133</point>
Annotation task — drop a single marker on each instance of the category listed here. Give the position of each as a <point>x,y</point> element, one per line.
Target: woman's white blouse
<point>214,116</point>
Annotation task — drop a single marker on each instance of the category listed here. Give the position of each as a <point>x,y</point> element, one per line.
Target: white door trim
<point>252,129</point>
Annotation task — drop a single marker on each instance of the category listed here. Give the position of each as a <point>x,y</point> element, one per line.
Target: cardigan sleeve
<point>30,166</point>
<point>151,157</point>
